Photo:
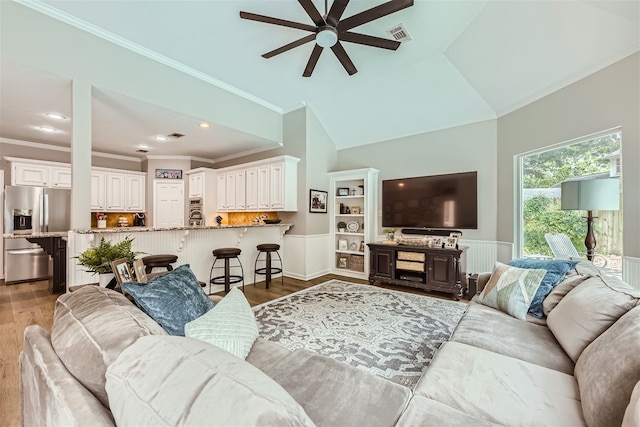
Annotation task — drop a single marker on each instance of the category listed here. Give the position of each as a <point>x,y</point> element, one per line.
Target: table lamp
<point>591,195</point>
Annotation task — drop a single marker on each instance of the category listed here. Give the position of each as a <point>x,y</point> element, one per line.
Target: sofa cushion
<point>511,289</point>
<point>501,389</point>
<point>49,394</point>
<point>336,394</point>
<point>91,327</point>
<point>172,299</point>
<point>493,330</point>
<point>556,270</point>
<point>265,354</point>
<point>230,325</point>
<point>559,292</point>
<point>632,413</point>
<point>168,381</point>
<point>425,412</point>
<point>608,369</point>
<point>588,310</point>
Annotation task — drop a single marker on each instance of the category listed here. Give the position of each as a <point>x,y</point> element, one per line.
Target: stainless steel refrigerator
<point>32,210</point>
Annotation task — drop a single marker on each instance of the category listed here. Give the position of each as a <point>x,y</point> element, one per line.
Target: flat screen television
<point>438,201</point>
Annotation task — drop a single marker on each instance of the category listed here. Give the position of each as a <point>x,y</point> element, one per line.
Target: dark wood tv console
<point>432,269</point>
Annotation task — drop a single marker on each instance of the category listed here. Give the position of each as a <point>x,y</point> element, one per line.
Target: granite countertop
<point>36,235</point>
<point>188,227</point>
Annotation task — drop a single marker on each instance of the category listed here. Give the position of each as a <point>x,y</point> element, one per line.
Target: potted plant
<point>97,259</point>
<point>390,233</point>
<point>342,226</point>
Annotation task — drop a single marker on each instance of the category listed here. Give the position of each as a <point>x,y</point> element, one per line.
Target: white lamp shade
<point>591,195</point>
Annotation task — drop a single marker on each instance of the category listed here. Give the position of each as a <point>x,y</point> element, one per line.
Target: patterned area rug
<point>388,333</point>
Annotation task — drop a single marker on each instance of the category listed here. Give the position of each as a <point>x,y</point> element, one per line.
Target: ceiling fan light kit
<point>329,30</point>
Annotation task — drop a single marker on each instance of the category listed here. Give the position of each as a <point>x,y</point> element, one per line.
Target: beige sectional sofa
<point>107,363</point>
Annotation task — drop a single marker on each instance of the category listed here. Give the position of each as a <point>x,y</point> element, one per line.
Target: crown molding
<point>43,146</point>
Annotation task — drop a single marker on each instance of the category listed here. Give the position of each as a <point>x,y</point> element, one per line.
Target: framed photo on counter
<point>121,270</point>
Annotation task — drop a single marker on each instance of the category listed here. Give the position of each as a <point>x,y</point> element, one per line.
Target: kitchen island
<point>192,245</point>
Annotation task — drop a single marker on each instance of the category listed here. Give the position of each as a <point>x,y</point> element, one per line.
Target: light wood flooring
<point>31,303</point>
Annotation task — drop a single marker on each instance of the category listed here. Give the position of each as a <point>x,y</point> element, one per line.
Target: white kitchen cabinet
<point>98,191</point>
<point>60,176</point>
<point>240,190</point>
<point>277,186</point>
<point>196,184</point>
<point>115,189</point>
<point>227,192</point>
<point>251,189</point>
<point>264,200</point>
<point>30,174</point>
<point>134,193</point>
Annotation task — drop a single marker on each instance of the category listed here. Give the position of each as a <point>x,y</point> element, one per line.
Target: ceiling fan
<point>330,30</point>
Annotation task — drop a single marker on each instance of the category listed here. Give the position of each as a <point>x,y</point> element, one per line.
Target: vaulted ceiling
<point>467,61</point>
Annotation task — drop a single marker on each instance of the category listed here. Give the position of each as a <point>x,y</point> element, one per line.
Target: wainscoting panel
<point>631,271</point>
<point>306,256</point>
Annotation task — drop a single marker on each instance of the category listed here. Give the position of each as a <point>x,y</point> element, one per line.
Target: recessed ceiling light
<point>161,138</point>
<point>47,129</point>
<point>204,125</point>
<point>142,147</point>
<point>56,116</point>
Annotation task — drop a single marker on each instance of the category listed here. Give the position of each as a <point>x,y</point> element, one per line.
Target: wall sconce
<point>591,195</point>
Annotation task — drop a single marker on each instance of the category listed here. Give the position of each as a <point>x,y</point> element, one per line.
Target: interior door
<point>168,209</point>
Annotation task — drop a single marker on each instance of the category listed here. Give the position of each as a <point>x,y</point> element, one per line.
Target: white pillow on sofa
<point>229,325</point>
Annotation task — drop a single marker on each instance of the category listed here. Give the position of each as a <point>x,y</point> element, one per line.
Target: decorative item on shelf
<point>390,233</point>
<point>347,210</point>
<point>317,201</point>
<point>342,245</point>
<point>353,226</point>
<point>361,190</point>
<point>343,191</point>
<point>450,242</point>
<point>123,222</point>
<point>343,262</point>
<point>355,210</point>
<point>361,245</point>
<point>271,221</point>
<point>354,191</point>
<point>342,226</point>
<point>353,246</point>
<point>357,263</point>
<point>101,219</point>
<point>219,220</point>
<point>139,270</point>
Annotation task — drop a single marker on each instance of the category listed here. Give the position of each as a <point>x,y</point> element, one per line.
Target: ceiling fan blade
<point>276,21</point>
<point>336,11</point>
<point>344,59</point>
<point>313,60</point>
<point>369,40</point>
<point>313,13</point>
<point>289,46</point>
<point>373,13</point>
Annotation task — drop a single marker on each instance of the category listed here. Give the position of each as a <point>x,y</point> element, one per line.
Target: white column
<point>81,155</point>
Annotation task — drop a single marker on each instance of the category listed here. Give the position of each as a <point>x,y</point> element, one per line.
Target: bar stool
<point>162,260</point>
<point>268,269</point>
<point>226,255</point>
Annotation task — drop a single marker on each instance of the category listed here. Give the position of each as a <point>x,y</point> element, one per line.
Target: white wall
<point>464,148</point>
<point>604,100</point>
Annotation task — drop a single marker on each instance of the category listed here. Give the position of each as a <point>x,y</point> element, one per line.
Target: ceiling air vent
<point>175,135</point>
<point>142,150</point>
<point>399,33</point>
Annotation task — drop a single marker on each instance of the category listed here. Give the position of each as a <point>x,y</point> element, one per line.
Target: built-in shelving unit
<point>354,190</point>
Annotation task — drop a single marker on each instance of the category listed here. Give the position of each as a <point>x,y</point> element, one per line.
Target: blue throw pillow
<point>556,270</point>
<point>172,300</point>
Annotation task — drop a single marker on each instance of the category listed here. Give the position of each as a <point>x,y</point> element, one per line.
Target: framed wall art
<point>169,173</point>
<point>318,201</point>
<point>343,191</point>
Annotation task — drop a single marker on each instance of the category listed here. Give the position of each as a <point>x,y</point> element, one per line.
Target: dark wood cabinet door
<point>441,270</point>
<point>383,263</point>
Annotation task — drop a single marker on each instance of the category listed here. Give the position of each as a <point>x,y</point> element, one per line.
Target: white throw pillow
<point>229,325</point>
